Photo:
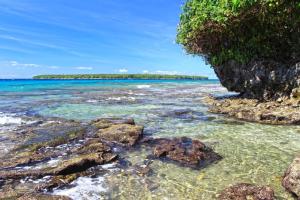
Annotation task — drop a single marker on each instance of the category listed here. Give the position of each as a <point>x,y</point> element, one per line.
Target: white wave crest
<point>143,86</point>
<point>9,119</point>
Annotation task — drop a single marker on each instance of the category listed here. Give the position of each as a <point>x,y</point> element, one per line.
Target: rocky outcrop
<point>245,191</point>
<point>291,180</point>
<point>184,151</point>
<point>260,79</point>
<point>282,111</point>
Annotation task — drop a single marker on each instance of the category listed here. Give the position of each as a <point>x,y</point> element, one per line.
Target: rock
<point>185,151</point>
<point>184,114</point>
<point>91,154</point>
<point>262,79</point>
<point>124,134</point>
<point>42,197</point>
<point>93,146</point>
<point>291,179</point>
<point>83,162</point>
<point>296,93</point>
<point>267,112</point>
<point>61,181</point>
<point>107,122</point>
<point>245,191</point>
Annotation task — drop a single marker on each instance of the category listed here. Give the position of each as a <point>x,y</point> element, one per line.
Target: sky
<point>93,36</point>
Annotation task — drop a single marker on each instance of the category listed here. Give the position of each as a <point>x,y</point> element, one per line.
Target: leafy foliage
<point>241,30</point>
<point>120,76</point>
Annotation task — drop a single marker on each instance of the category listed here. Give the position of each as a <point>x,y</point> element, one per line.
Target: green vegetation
<point>241,30</point>
<point>120,76</point>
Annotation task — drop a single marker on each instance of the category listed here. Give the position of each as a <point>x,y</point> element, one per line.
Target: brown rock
<point>270,112</point>
<point>107,122</point>
<point>291,180</point>
<point>245,191</point>
<point>185,151</point>
<point>83,162</point>
<point>124,134</point>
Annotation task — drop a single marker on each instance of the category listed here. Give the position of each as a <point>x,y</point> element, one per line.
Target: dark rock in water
<point>42,197</point>
<point>184,114</point>
<point>185,151</point>
<point>260,79</point>
<point>124,134</point>
<point>291,179</point>
<point>245,191</point>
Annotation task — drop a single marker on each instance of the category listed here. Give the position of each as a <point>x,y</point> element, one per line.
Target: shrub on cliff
<point>241,30</point>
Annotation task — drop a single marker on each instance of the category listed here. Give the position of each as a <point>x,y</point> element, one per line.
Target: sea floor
<point>252,153</point>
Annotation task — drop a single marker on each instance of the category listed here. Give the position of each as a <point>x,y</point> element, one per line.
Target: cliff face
<point>260,79</point>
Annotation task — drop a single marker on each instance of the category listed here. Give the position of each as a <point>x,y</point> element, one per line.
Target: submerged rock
<point>243,191</point>
<point>285,111</point>
<point>185,151</point>
<point>184,114</point>
<point>291,179</point>
<point>124,134</point>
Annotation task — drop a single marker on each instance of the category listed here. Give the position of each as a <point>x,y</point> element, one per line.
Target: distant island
<point>121,76</point>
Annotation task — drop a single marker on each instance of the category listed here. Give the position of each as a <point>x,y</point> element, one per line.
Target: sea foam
<point>9,119</point>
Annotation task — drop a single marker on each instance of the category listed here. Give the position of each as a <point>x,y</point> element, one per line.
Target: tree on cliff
<point>223,31</point>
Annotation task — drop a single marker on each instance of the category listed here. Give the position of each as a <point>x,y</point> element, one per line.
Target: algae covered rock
<point>291,179</point>
<point>243,191</point>
<point>107,122</point>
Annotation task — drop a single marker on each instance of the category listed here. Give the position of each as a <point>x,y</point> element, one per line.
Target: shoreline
<point>281,112</point>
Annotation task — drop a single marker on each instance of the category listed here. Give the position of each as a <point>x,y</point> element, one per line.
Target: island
<point>122,76</point>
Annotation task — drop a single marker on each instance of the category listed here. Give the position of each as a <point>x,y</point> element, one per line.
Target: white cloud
<point>123,70</point>
<point>162,72</point>
<point>17,64</point>
<point>53,67</point>
<point>167,72</point>
<point>84,68</point>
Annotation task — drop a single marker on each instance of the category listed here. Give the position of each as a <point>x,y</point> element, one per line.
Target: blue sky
<point>94,36</point>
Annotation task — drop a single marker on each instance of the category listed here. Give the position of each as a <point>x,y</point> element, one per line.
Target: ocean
<point>252,153</point>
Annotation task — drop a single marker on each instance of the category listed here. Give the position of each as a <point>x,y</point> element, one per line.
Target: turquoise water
<point>253,153</point>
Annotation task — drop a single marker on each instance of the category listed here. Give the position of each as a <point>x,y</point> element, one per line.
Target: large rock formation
<point>260,79</point>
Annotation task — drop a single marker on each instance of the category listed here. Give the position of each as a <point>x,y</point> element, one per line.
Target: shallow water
<point>253,153</point>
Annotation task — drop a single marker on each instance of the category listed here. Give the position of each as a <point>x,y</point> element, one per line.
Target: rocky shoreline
<point>81,150</point>
<point>284,111</point>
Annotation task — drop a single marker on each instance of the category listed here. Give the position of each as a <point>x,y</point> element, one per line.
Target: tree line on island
<point>121,76</point>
